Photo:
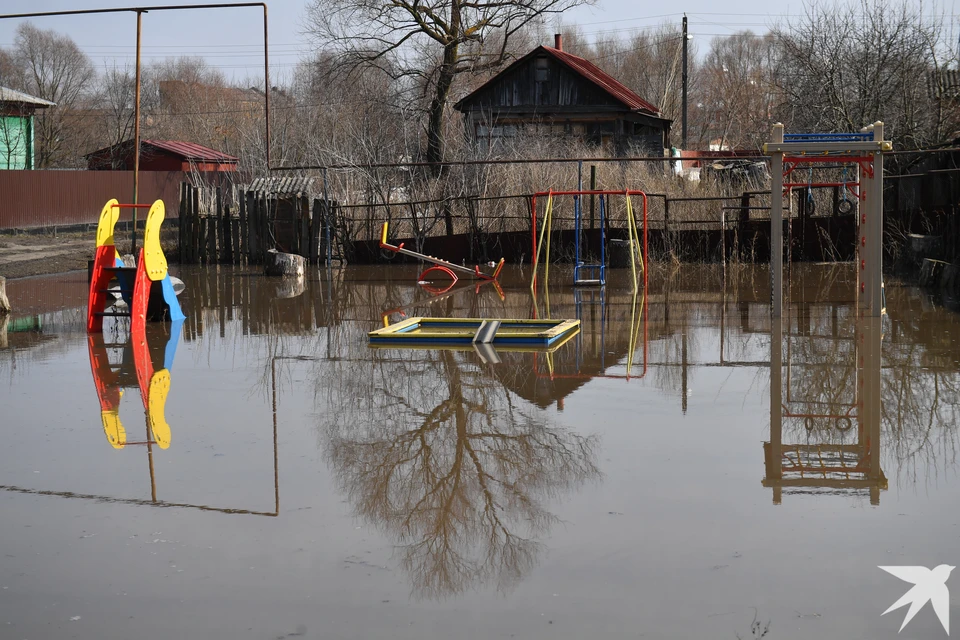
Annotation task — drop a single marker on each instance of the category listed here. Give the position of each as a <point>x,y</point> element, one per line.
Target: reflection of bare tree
<point>446,460</point>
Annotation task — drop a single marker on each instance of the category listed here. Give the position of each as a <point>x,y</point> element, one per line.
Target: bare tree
<point>116,97</point>
<point>52,67</point>
<point>431,41</point>
<point>738,93</point>
<point>844,67</point>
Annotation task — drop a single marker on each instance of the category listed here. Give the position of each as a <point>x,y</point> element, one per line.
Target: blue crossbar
<point>827,137</point>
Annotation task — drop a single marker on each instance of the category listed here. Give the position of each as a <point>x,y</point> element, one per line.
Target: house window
<point>541,75</point>
<point>542,70</point>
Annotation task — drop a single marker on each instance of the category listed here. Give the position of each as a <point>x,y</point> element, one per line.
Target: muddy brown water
<point>627,485</point>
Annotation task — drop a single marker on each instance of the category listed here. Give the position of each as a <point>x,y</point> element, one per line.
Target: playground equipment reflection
<point>840,416</point>
<point>146,361</point>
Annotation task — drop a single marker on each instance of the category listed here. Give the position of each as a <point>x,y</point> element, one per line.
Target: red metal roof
<point>601,78</point>
<point>190,151</point>
<point>186,150</point>
<point>587,70</point>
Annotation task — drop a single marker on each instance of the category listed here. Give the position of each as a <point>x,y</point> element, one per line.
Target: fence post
<point>195,244</point>
<point>265,240</point>
<point>668,240</point>
<point>180,219</point>
<point>316,225</point>
<point>304,209</point>
<point>221,237</point>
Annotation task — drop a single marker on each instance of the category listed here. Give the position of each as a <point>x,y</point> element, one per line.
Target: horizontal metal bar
<point>826,137</point>
<point>826,147</point>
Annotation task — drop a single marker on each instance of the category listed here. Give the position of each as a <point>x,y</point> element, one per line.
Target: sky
<point>232,39</point>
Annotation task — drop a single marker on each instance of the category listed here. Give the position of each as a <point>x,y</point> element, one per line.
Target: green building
<point>16,128</point>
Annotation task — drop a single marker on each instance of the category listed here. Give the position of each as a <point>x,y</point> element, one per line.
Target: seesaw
<point>147,288</point>
<point>443,266</point>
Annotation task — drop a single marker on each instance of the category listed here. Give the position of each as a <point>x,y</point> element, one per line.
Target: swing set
<point>596,271</point>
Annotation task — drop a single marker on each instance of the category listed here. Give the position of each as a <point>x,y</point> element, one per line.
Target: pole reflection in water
<point>825,430</point>
<point>145,362</point>
<point>443,457</point>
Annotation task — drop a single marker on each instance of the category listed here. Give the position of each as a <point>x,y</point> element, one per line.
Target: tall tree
<point>843,68</point>
<point>738,93</point>
<point>54,68</point>
<point>433,41</point>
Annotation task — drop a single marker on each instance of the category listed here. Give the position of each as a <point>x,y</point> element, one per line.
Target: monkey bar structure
<point>865,151</point>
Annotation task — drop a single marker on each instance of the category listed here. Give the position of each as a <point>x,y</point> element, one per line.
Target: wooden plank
<point>221,237</point>
<point>180,218</point>
<point>213,251</point>
<point>195,244</point>
<point>303,206</point>
<point>243,238</point>
<point>226,234</point>
<point>253,245</point>
<point>316,228</point>
<point>204,230</point>
<point>266,242</point>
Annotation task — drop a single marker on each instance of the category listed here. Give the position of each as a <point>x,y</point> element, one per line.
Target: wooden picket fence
<point>242,233</point>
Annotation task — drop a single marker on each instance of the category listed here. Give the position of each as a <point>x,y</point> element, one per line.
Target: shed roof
<point>187,150</point>
<point>9,95</point>
<point>283,186</point>
<point>588,71</point>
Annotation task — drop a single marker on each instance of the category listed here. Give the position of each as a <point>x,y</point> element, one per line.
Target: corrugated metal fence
<point>53,198</point>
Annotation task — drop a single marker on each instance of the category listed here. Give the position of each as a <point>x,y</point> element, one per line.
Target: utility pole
<point>136,138</point>
<point>683,134</point>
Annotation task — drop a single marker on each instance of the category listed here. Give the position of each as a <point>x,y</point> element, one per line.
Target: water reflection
<point>436,452</point>
<point>829,406</point>
<point>145,362</point>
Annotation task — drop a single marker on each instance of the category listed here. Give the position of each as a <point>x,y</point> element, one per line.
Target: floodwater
<point>634,483</point>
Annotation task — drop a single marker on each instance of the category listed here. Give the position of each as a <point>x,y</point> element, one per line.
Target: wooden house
<point>16,128</point>
<point>552,92</point>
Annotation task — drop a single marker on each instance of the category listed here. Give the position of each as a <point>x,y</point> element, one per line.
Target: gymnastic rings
<point>844,206</point>
<point>844,423</point>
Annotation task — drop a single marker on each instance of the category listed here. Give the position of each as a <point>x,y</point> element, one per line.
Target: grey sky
<point>232,38</point>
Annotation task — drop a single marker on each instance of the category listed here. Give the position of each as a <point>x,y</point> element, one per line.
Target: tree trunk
<point>437,106</point>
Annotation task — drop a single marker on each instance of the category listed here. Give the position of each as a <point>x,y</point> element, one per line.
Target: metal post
<point>869,413</point>
<point>136,138</point>
<point>266,84</point>
<point>776,225</point>
<point>773,457</point>
<point>593,187</point>
<point>683,136</point>
<point>860,252</point>
<point>875,228</point>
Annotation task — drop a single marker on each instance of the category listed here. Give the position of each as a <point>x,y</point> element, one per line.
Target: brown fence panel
<point>50,198</point>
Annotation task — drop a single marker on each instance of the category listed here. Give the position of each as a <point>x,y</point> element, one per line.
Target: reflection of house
<point>555,93</point>
<point>161,155</point>
<point>16,128</point>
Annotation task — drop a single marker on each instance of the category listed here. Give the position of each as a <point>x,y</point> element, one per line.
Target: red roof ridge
<point>600,77</point>
<point>191,150</point>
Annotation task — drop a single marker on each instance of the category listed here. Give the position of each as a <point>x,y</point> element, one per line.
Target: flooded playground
<point>630,481</point>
